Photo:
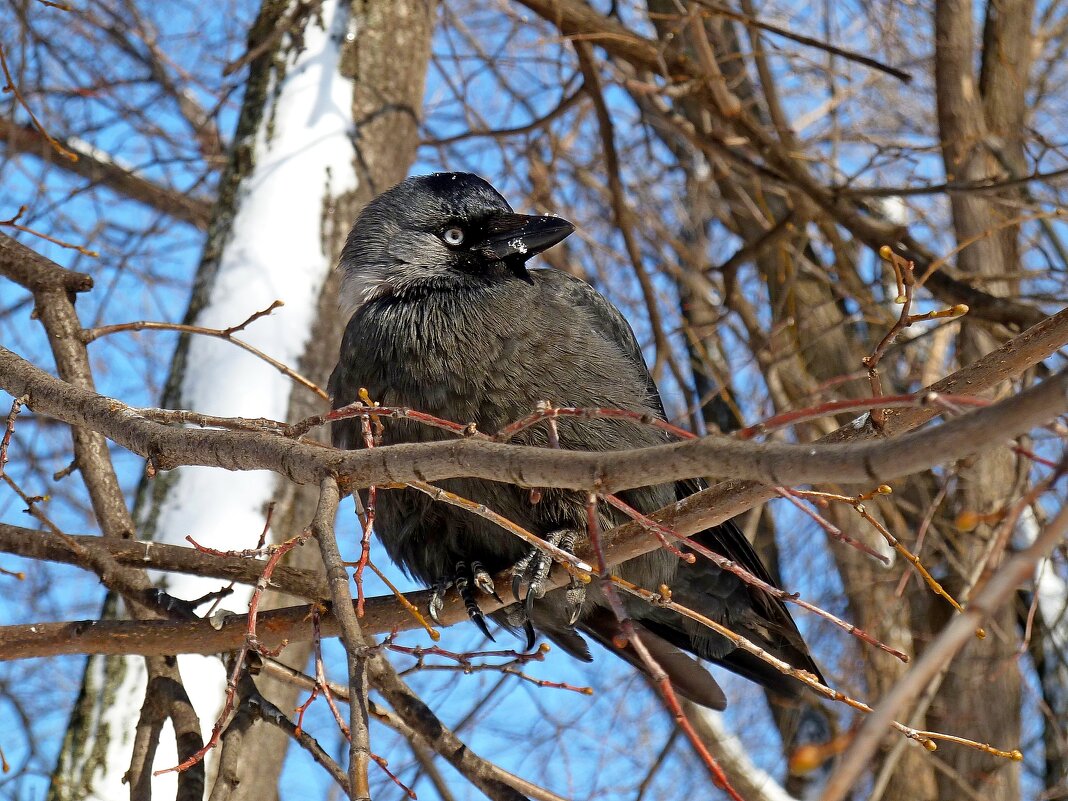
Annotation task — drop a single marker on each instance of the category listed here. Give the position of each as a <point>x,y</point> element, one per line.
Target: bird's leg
<point>533,569</point>
<point>482,580</point>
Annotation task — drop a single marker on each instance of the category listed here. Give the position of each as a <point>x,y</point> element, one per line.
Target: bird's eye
<point>453,236</point>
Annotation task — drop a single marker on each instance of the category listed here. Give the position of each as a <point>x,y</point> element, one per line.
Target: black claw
<point>574,616</point>
<point>437,600</point>
<point>517,584</point>
<point>463,587</point>
<point>480,621</point>
<point>528,602</point>
<point>533,569</point>
<point>576,598</point>
<point>528,629</point>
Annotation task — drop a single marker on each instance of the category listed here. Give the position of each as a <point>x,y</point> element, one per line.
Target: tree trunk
<point>383,96</point>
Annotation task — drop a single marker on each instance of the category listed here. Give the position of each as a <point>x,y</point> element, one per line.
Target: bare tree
<point>843,222</point>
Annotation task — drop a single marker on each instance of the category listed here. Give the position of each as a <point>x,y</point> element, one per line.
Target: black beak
<point>519,236</point>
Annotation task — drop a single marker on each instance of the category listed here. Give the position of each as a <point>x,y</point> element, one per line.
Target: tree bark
<point>386,103</point>
<point>386,109</point>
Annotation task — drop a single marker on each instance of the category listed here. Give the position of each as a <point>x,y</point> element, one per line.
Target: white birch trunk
<point>276,250</point>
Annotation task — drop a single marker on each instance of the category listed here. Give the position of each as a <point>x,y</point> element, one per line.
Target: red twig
<point>259,550</point>
<point>381,762</point>
<point>321,680</point>
<point>277,553</point>
<point>359,409</point>
<point>831,529</point>
<point>656,673</point>
<point>368,520</point>
<point>551,413</point>
<point>730,566</point>
<point>1034,457</point>
<point>252,642</point>
<point>247,552</point>
<point>858,405</point>
<point>671,701</point>
<point>304,707</point>
<point>660,531</point>
<point>322,685</point>
<point>220,722</point>
<point>545,413</point>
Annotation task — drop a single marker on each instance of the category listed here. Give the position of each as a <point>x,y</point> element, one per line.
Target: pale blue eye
<point>453,236</point>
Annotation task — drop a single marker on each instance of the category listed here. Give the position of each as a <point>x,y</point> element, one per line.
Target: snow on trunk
<point>1051,595</point>
<point>751,782</point>
<point>275,251</point>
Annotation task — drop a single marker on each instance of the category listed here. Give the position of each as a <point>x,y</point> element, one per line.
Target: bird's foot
<point>437,599</point>
<point>463,579</point>
<point>533,570</point>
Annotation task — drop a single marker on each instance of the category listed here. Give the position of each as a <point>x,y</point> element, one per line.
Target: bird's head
<point>439,232</point>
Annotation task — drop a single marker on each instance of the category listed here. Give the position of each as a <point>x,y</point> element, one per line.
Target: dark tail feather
<point>749,611</point>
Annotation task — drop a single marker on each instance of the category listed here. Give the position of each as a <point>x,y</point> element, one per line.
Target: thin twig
<point>571,563</point>
<point>656,673</point>
<point>13,222</point>
<point>10,86</point>
<point>90,334</point>
<point>831,529</point>
<point>622,214</point>
<point>904,274</point>
<point>808,41</point>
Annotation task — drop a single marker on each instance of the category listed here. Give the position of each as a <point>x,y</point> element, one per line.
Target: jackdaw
<point>449,320</point>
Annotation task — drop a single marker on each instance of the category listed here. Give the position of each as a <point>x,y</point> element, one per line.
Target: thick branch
<point>159,556</point>
<point>776,464</point>
<point>351,636</point>
<point>30,269</point>
<point>27,139</point>
<point>164,637</point>
<point>954,637</point>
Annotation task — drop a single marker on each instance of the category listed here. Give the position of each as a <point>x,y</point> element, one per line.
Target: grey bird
<point>448,319</point>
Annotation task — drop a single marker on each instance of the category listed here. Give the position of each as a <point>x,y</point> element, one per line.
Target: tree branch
<point>303,463</point>
<point>351,635</point>
<point>577,19</point>
<point>955,636</point>
<point>98,169</point>
<point>45,545</point>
